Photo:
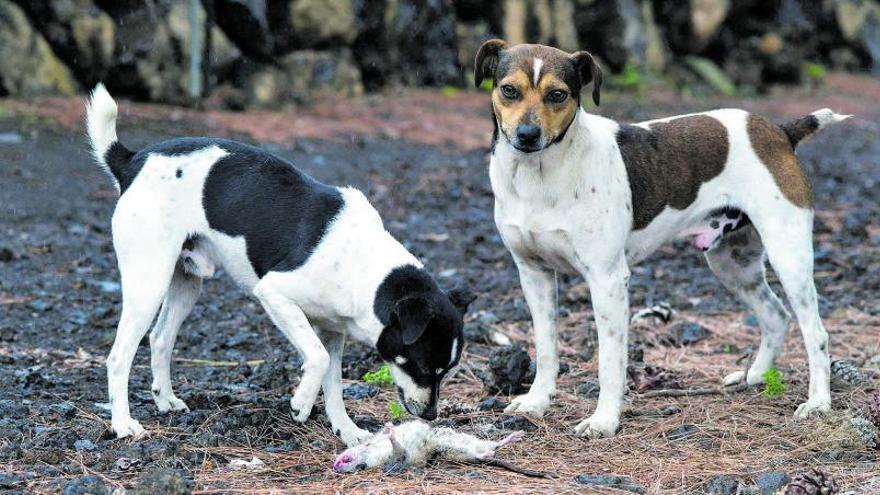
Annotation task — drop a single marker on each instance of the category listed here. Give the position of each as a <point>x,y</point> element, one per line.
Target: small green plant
<point>396,410</point>
<point>487,85</point>
<point>380,377</point>
<point>449,90</point>
<point>629,79</point>
<point>774,386</point>
<point>814,71</point>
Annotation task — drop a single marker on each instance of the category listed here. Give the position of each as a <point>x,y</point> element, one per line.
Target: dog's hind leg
<point>146,266</point>
<point>179,301</point>
<point>334,406</point>
<point>788,237</point>
<point>738,261</point>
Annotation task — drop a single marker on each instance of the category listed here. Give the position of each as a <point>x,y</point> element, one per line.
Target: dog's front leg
<point>342,425</point>
<point>539,288</point>
<point>608,290</point>
<point>291,320</point>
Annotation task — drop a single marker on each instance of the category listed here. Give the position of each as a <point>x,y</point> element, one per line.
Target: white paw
<point>172,403</point>
<point>301,408</point>
<point>736,377</point>
<point>529,404</point>
<point>127,427</point>
<point>353,436</point>
<point>597,427</point>
<point>812,407</point>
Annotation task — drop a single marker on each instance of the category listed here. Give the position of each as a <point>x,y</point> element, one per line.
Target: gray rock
<point>515,423</point>
<point>770,483</point>
<point>165,481</point>
<point>611,481</point>
<point>685,333</point>
<point>84,444</point>
<point>86,485</point>
<point>588,389</point>
<point>358,391</point>
<point>682,431</point>
<point>508,369</point>
<point>723,484</point>
<point>491,404</point>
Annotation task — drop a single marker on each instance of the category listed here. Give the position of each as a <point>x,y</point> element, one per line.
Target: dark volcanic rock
<point>164,481</point>
<point>682,431</point>
<point>610,481</point>
<point>723,484</point>
<point>491,404</point>
<point>86,485</point>
<point>357,391</point>
<point>515,423</point>
<point>684,333</point>
<point>770,483</point>
<point>508,369</point>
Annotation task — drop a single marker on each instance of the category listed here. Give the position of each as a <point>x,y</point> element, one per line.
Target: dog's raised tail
<point>799,129</point>
<point>110,154</point>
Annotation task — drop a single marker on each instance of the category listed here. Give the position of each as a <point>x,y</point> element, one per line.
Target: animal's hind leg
<point>788,237</point>
<point>179,301</point>
<point>738,261</point>
<point>146,266</point>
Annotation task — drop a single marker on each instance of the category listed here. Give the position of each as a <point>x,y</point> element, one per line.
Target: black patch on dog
<point>178,173</point>
<point>119,159</point>
<point>798,129</point>
<point>668,163</point>
<point>282,213</point>
<point>421,322</point>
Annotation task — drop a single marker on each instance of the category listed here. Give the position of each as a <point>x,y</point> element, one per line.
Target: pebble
<point>357,391</point>
<point>508,369</point>
<point>10,138</point>
<point>588,389</point>
<point>86,485</point>
<point>6,254</point>
<point>770,483</point>
<point>515,423</point>
<point>40,305</point>
<point>12,409</point>
<point>84,444</point>
<point>688,333</point>
<point>611,481</point>
<point>491,404</point>
<point>106,286</point>
<point>722,484</point>
<point>682,431</point>
<point>165,481</point>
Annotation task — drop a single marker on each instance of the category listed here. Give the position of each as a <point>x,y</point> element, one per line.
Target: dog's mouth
<point>527,148</point>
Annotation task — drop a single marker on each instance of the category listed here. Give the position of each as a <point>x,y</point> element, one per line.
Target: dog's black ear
<point>589,71</point>
<point>461,297</point>
<point>487,60</point>
<point>413,315</point>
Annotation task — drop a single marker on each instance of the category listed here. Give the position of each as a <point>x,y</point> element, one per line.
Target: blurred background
<point>239,54</point>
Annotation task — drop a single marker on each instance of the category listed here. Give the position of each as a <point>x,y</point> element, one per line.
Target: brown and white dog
<point>579,193</point>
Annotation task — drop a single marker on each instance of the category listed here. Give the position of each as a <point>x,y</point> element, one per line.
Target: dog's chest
<point>538,240</point>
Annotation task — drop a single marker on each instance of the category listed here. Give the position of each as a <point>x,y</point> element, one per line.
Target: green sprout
<point>814,71</point>
<point>449,90</point>
<point>774,386</point>
<point>380,378</point>
<point>629,79</point>
<point>397,411</point>
<point>487,85</point>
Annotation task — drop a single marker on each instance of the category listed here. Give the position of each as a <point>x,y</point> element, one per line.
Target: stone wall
<point>262,52</point>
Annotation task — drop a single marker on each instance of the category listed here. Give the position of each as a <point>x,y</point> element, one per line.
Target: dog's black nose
<point>528,134</point>
<point>430,412</point>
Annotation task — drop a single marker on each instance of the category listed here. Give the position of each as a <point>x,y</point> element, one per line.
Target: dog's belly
<point>551,249</point>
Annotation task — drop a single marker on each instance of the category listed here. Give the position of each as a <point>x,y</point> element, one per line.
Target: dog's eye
<point>509,91</point>
<point>557,96</point>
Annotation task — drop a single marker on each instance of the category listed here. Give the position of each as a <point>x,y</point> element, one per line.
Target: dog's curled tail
<point>799,129</point>
<point>110,154</point>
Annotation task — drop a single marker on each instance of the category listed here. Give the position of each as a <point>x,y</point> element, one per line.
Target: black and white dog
<point>317,257</point>
<point>579,193</point>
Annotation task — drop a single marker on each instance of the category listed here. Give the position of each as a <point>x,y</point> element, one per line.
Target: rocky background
<point>258,53</point>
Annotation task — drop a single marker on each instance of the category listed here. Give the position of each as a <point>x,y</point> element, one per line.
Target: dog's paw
<point>172,403</point>
<point>127,427</point>
<point>597,427</point>
<point>529,404</point>
<point>811,407</point>
<point>301,409</point>
<point>735,378</point>
<point>353,436</point>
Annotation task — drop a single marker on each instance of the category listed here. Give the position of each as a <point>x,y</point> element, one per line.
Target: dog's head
<point>537,90</point>
<point>422,340</point>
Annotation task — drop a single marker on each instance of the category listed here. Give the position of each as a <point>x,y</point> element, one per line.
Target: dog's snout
<point>528,134</point>
<point>429,413</point>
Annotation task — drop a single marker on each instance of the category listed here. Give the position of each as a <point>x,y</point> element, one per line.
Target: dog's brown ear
<point>589,71</point>
<point>487,60</point>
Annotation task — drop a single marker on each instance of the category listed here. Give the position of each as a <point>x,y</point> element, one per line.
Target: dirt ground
<point>421,157</point>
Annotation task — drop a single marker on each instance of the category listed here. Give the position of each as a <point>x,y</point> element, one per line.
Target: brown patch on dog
<point>668,163</point>
<point>774,149</point>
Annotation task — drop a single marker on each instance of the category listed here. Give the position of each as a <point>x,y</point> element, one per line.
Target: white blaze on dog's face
<point>537,90</point>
